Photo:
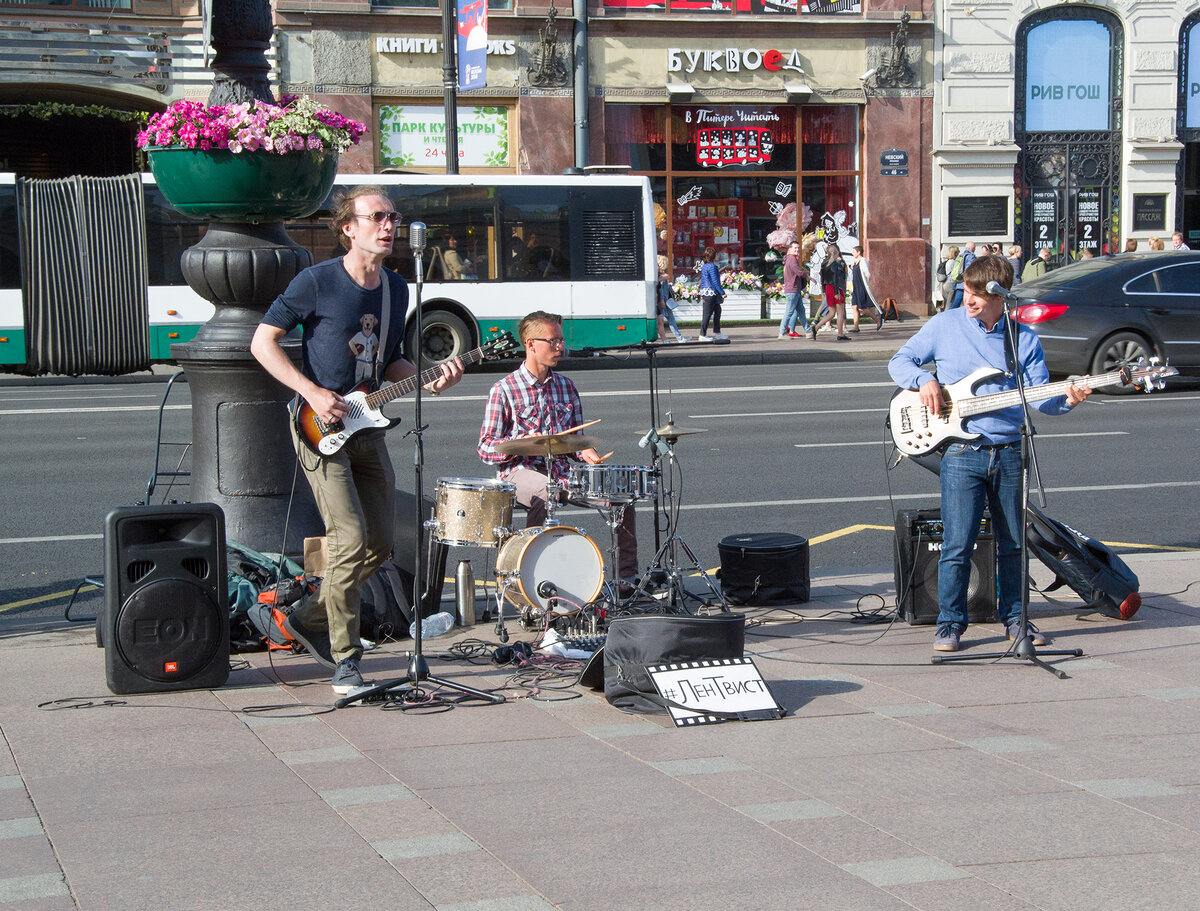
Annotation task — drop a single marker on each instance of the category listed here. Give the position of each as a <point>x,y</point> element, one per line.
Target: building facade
<point>741,113</point>
<point>1066,125</point>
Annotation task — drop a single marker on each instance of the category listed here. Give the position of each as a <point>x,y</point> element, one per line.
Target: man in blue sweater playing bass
<point>985,470</point>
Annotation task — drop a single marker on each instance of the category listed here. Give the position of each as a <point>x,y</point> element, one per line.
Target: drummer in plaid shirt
<point>534,399</point>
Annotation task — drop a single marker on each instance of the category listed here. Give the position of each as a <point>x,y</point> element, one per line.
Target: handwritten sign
<point>709,692</point>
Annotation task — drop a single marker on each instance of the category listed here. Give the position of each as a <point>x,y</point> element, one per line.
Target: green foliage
<point>48,110</point>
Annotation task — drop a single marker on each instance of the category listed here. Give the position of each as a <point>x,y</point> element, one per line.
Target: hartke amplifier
<point>166,619</point>
<point>918,547</point>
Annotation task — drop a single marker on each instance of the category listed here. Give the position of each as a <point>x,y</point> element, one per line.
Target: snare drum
<point>551,561</point>
<point>473,511</point>
<point>606,485</point>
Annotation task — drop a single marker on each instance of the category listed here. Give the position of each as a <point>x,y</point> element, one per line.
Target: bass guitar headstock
<point>1147,375</point>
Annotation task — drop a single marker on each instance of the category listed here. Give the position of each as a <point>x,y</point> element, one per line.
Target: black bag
<point>635,642</point>
<point>764,568</point>
<point>1085,565</point>
<point>386,608</point>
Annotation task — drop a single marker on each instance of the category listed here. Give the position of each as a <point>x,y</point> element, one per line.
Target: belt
<point>1015,444</point>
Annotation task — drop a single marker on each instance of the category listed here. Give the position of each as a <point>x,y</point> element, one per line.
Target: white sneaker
<point>781,337</point>
<point>703,338</point>
<point>720,337</point>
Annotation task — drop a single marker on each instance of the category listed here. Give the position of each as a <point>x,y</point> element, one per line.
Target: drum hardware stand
<point>418,669</point>
<point>666,559</point>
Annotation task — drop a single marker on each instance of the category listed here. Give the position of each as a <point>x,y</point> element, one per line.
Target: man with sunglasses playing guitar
<point>986,470</point>
<point>355,486</point>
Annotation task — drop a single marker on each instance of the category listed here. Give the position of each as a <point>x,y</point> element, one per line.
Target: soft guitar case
<point>1086,566</point>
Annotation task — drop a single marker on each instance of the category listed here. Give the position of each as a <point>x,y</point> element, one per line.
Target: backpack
<point>386,608</point>
<point>1085,565</point>
<point>956,269</point>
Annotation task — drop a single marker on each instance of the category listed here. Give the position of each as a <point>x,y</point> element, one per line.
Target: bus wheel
<point>446,337</point>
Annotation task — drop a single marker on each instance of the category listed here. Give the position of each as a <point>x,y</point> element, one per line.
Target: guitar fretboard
<point>995,401</point>
<point>403,387</point>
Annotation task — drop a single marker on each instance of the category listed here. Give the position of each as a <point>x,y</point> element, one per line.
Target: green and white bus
<point>498,247</point>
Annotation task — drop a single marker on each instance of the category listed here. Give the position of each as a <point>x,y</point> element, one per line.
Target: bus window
<point>535,228</point>
<point>168,234</point>
<point>460,232</point>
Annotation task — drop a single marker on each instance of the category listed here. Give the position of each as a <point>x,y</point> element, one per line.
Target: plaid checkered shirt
<point>519,406</point>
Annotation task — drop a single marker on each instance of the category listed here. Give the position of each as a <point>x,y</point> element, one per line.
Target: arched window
<point>1068,124</point>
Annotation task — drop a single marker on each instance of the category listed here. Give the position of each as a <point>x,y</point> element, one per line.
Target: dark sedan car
<point>1099,314</point>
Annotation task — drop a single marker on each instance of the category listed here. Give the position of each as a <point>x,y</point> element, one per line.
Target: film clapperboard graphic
<point>712,691</point>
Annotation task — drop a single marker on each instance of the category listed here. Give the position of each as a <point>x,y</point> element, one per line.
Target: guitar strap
<point>1010,358</point>
<point>384,314</point>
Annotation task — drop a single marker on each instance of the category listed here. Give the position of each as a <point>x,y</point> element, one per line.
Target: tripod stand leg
<point>712,586</point>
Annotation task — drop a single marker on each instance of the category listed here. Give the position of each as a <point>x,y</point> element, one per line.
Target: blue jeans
<point>795,311</point>
<point>957,301</point>
<point>971,479</point>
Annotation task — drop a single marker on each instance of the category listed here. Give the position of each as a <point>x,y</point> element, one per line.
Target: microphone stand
<point>418,668</point>
<point>1023,648</point>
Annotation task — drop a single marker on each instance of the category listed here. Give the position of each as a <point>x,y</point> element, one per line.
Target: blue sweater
<point>959,344</point>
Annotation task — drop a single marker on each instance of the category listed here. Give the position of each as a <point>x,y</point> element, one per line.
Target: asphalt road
<point>795,448</point>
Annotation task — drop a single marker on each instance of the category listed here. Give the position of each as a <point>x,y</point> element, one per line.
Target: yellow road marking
<point>54,596</point>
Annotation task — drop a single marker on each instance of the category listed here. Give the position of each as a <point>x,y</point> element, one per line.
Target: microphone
<point>416,236</point>
<point>1000,291</point>
<point>547,589</point>
<point>650,437</point>
<point>583,352</point>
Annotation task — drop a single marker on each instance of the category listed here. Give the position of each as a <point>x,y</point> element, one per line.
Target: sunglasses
<point>380,217</point>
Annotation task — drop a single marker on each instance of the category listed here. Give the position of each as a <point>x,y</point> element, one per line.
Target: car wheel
<point>446,337</point>
<point>1121,350</point>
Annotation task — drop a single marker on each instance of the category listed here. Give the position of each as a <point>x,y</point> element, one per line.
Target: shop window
<point>720,136</point>
<point>733,215</point>
<point>829,136</point>
<point>636,135</point>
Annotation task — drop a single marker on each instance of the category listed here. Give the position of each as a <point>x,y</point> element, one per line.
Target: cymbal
<point>672,432</point>
<point>543,443</point>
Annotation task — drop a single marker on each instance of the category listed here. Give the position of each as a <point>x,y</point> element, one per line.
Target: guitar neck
<point>996,401</point>
<point>404,387</point>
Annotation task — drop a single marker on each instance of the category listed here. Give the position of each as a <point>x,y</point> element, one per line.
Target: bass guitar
<point>327,438</point>
<point>916,431</point>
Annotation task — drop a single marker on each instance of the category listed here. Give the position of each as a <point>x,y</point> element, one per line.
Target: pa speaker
<point>918,547</point>
<point>166,619</point>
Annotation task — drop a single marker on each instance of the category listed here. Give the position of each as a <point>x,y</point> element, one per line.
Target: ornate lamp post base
<point>242,456</point>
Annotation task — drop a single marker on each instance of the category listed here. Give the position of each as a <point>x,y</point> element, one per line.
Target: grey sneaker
<point>946,639</point>
<point>1013,629</point>
<point>315,640</point>
<point>347,676</point>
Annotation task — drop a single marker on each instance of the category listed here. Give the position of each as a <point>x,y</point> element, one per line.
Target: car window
<point>1143,284</point>
<point>1181,279</point>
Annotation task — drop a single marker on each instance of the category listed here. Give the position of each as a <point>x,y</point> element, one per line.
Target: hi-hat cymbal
<point>552,443</point>
<point>672,432</point>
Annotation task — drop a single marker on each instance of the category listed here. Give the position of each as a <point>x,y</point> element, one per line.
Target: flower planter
<point>738,305</point>
<point>218,185</point>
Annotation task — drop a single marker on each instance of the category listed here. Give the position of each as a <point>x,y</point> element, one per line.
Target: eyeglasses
<point>380,217</point>
<point>552,342</point>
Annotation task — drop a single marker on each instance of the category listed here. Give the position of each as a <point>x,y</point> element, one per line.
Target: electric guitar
<point>916,432</point>
<point>327,438</point>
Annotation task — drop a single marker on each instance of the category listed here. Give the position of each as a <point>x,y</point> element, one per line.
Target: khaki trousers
<point>355,492</point>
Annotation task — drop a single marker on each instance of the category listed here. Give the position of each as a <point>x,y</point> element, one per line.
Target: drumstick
<point>563,433</point>
<point>603,457</point>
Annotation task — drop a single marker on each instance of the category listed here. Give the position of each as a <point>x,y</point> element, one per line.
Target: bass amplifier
<point>918,548</point>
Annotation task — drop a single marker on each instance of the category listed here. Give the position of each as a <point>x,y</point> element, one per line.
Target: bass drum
<point>547,562</point>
